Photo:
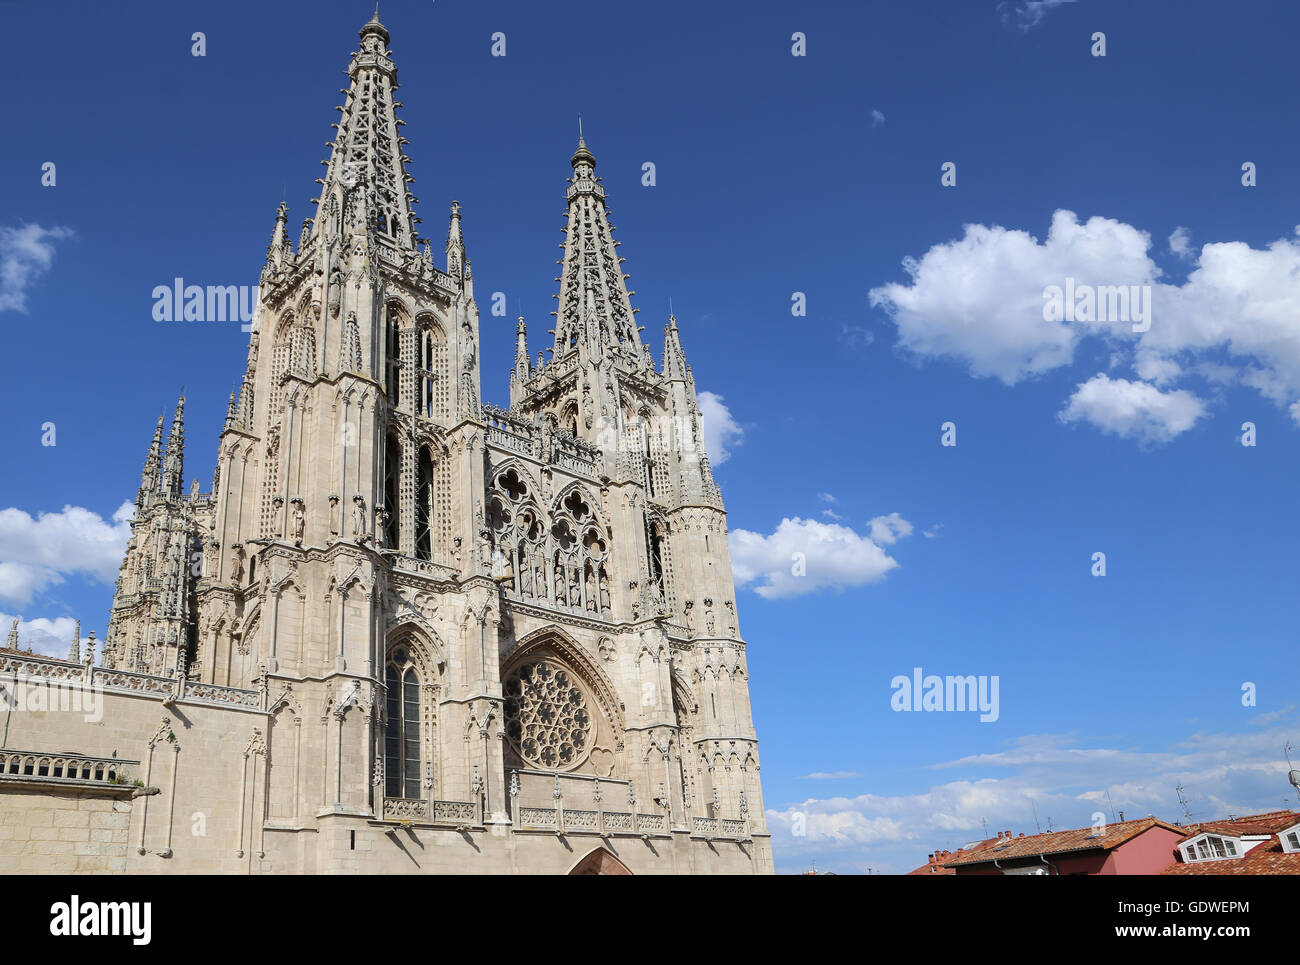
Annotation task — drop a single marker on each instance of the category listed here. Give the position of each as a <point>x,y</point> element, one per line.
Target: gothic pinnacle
<point>373,26</point>
<point>74,652</point>
<point>152,465</point>
<point>280,250</point>
<point>173,471</point>
<point>675,367</point>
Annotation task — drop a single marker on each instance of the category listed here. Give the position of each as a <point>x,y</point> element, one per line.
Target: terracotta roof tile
<point>1056,842</point>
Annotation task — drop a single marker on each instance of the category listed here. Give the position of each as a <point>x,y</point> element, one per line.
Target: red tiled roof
<point>1266,858</point>
<point>1263,859</point>
<point>1270,822</point>
<point>935,866</point>
<point>1056,842</point>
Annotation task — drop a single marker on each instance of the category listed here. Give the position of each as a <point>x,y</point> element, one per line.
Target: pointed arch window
<point>402,736</point>
<point>430,363</point>
<point>393,352</point>
<point>392,484</point>
<point>424,506</point>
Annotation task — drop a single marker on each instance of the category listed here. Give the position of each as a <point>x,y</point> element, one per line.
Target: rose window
<point>546,716</point>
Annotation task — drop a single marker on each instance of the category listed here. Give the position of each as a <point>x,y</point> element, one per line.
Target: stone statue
<point>358,519</point>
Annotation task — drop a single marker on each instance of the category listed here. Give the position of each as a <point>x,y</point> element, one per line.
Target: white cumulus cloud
<point>979,300</point>
<point>721,431</point>
<point>1180,243</point>
<point>1133,410</point>
<point>38,552</point>
<point>53,638</point>
<point>804,555</point>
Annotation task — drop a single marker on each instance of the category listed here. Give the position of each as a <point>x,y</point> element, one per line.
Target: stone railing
<point>66,767</point>
<point>569,821</point>
<point>575,463</point>
<point>618,821</point>
<point>727,828</point>
<point>538,817</point>
<point>581,820</point>
<point>410,564</point>
<point>586,186</point>
<point>58,672</point>
<point>203,693</point>
<point>420,811</point>
<point>652,823</point>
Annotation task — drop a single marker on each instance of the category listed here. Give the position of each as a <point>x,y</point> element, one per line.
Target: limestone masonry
<point>407,631</point>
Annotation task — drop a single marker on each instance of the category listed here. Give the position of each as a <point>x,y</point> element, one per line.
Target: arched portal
<point>600,862</point>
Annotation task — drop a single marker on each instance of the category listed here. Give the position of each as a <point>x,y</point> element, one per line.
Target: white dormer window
<point>1211,847</point>
<point>1290,838</point>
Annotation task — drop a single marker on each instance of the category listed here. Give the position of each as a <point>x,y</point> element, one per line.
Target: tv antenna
<point>1036,824</point>
<point>1111,803</point>
<point>1182,800</point>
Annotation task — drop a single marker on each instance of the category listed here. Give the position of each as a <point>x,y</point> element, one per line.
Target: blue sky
<point>776,174</point>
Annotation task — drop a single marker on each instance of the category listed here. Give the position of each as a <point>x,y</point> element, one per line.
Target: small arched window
<point>402,736</point>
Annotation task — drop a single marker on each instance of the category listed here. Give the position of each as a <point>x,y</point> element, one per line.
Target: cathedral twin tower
<point>511,632</point>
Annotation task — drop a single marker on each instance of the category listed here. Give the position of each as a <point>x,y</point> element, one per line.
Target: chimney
<point>1121,815</point>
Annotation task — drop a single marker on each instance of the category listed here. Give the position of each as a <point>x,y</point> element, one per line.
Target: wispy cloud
<point>1037,778</point>
<point>26,253</point>
<point>1025,15</point>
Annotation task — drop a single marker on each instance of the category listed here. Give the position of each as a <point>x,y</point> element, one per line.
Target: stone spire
<point>593,288</point>
<point>366,187</point>
<point>455,243</point>
<point>173,471</point>
<point>152,466</point>
<point>522,371</point>
<point>521,351</point>
<point>12,642</point>
<point>674,356</point>
<point>280,251</point>
<point>74,652</point>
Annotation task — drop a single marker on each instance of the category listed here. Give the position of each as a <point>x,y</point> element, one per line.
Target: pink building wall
<point>1148,853</point>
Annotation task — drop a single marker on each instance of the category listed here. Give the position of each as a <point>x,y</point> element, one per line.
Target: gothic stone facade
<point>407,631</point>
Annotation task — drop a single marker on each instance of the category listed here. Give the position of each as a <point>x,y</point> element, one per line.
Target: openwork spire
<point>152,465</point>
<point>365,188</point>
<point>674,355</point>
<point>174,469</point>
<point>594,298</point>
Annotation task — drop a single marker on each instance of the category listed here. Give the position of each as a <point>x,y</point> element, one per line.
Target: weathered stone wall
<point>62,830</point>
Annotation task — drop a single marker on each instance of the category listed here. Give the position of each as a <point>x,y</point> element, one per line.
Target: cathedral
<point>407,631</point>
